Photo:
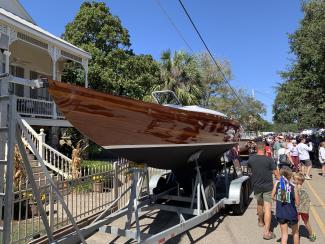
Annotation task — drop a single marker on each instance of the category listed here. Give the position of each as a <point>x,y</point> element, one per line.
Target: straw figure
<point>19,171</point>
<point>76,158</point>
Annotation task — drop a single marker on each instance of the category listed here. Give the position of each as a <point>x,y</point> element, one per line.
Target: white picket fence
<point>52,158</point>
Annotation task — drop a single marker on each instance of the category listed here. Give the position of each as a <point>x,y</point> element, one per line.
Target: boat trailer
<point>203,203</point>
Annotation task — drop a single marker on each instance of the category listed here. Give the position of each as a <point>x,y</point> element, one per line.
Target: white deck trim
<point>167,145</point>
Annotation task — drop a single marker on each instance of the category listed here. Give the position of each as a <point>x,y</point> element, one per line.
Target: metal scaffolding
<point>11,128</point>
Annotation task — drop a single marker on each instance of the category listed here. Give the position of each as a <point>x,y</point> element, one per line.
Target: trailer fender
<point>235,190</point>
<point>154,180</point>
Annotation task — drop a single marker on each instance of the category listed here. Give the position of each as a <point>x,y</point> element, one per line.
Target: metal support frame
<point>8,195</point>
<point>15,126</point>
<point>137,204</point>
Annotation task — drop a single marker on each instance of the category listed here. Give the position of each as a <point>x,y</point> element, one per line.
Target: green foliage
<point>180,73</point>
<point>114,68</point>
<point>96,165</point>
<point>247,110</point>
<point>301,97</point>
<point>278,127</point>
<point>211,76</point>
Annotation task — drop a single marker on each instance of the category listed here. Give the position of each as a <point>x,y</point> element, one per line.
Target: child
<point>286,198</point>
<point>303,207</point>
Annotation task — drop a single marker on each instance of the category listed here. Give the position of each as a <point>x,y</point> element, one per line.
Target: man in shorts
<point>303,152</point>
<point>262,169</point>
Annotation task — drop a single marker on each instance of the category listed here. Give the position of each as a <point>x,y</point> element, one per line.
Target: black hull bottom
<point>176,158</point>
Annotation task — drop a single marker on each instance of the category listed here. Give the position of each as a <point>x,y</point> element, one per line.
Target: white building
<point>34,53</point>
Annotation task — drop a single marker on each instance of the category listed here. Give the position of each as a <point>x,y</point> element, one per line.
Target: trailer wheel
<point>239,209</point>
<point>247,192</point>
<point>210,193</point>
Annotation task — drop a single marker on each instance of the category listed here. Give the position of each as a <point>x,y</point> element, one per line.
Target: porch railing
<point>53,159</point>
<point>38,108</point>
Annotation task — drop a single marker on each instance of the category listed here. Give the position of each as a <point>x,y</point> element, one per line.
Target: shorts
<point>287,221</point>
<point>304,217</point>
<point>264,196</point>
<point>306,162</point>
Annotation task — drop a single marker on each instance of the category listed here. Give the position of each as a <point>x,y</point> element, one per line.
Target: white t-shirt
<point>304,150</point>
<point>294,151</point>
<point>322,155</point>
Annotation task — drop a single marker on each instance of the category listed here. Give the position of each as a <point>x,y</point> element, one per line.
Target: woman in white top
<point>322,156</point>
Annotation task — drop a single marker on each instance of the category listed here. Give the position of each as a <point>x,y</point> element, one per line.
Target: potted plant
<point>98,183</point>
<point>33,203</point>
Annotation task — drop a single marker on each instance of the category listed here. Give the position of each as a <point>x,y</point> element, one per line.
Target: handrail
<point>52,158</point>
<point>37,108</point>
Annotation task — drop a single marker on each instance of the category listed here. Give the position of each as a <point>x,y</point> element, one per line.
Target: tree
<point>243,107</point>
<point>114,68</point>
<point>180,73</point>
<point>300,98</point>
<point>212,77</point>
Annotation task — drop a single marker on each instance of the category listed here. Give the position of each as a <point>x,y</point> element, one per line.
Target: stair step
<point>3,162</point>
<point>34,164</point>
<point>4,98</point>
<point>2,194</point>
<point>5,129</point>
<point>30,156</point>
<point>37,169</point>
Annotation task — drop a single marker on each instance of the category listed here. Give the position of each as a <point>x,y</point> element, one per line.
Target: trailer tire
<point>246,193</point>
<point>210,193</point>
<point>238,209</point>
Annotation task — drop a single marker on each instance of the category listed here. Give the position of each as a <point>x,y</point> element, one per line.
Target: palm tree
<point>179,73</point>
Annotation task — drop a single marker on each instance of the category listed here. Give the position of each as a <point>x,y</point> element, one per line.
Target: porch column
<point>85,66</point>
<point>55,55</point>
<point>7,62</point>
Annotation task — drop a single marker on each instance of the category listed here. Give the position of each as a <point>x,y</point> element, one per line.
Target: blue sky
<point>251,34</point>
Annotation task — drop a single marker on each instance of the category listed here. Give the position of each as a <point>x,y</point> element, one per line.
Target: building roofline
<point>26,12</point>
<point>37,31</point>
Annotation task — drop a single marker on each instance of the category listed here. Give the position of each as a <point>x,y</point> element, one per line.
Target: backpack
<point>283,159</point>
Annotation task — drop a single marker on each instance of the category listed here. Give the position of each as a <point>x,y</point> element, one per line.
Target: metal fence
<point>88,194</point>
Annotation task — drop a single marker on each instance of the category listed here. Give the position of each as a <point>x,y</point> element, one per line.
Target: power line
<point>207,48</point>
<point>174,25</point>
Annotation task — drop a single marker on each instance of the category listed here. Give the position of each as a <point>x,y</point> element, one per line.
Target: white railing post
<point>54,113</point>
<point>41,141</point>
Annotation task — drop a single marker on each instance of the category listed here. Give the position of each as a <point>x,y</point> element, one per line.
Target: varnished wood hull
<point>160,136</point>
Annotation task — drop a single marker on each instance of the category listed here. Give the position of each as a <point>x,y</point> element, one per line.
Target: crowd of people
<point>279,167</point>
<point>294,153</point>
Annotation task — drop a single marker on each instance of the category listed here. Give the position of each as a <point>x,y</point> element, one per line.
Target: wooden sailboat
<point>160,136</point>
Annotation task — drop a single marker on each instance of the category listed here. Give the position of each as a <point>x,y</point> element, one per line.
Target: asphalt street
<point>227,228</point>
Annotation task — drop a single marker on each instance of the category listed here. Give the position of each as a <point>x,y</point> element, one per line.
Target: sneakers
<point>312,237</point>
<point>307,177</point>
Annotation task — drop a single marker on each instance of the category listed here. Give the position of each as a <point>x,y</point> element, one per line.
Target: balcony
<point>38,108</point>
<point>40,112</point>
